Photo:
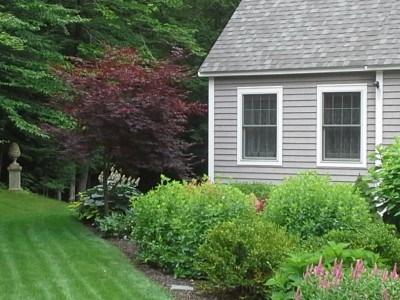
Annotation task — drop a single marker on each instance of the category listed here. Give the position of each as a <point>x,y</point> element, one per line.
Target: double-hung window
<point>342,125</point>
<point>259,126</point>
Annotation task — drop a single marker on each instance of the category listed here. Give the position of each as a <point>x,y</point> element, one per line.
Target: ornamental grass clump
<point>356,283</point>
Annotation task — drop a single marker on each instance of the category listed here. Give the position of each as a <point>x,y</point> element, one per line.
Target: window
<point>259,125</point>
<point>342,125</point>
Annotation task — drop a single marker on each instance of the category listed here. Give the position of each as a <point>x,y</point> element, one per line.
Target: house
<point>303,84</point>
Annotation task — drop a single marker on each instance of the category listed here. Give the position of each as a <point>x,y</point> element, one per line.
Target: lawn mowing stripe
<point>51,260</point>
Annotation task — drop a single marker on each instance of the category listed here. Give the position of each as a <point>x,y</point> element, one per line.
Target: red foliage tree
<point>130,110</point>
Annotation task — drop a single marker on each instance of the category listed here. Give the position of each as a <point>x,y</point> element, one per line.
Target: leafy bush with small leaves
<point>340,282</point>
<point>117,224</point>
<point>241,254</point>
<point>310,205</point>
<point>385,195</point>
<point>377,237</point>
<point>171,221</point>
<point>120,188</point>
<point>290,273</point>
<point>260,189</point>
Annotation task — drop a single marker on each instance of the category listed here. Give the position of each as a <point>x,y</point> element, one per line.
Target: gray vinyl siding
<point>299,126</point>
<point>391,106</point>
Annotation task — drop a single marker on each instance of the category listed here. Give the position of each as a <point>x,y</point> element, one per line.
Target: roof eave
<point>299,71</point>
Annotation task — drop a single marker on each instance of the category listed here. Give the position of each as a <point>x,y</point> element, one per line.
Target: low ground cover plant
<point>118,225</point>
<point>241,254</point>
<point>357,282</point>
<point>172,220</point>
<point>310,205</point>
<point>261,190</point>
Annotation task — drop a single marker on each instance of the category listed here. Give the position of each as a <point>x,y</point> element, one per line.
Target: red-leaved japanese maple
<point>130,110</point>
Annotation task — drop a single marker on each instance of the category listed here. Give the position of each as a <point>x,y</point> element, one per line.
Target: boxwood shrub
<point>171,221</point>
<point>240,255</point>
<point>310,205</point>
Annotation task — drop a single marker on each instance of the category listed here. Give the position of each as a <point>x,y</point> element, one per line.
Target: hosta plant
<point>120,188</point>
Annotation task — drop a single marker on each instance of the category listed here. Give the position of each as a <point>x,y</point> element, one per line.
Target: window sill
<point>342,164</point>
<point>254,162</point>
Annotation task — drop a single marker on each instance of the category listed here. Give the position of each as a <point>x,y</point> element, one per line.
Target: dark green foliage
<point>310,205</point>
<point>385,195</point>
<point>240,255</point>
<point>117,224</point>
<point>259,189</point>
<point>172,220</point>
<point>376,237</point>
<point>291,271</point>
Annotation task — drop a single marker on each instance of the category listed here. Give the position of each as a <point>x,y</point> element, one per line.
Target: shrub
<point>171,221</point>
<point>240,255</point>
<point>377,237</point>
<point>385,194</point>
<point>121,189</point>
<point>260,189</point>
<point>290,273</point>
<point>310,205</point>
<point>358,283</point>
<point>117,224</point>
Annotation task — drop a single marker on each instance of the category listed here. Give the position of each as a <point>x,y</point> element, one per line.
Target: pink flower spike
<point>394,274</point>
<point>358,269</point>
<point>375,270</point>
<point>385,295</point>
<point>297,296</point>
<point>307,274</point>
<point>385,275</point>
<point>319,269</point>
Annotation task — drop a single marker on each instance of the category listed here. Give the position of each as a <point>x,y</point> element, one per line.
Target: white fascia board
<point>211,128</point>
<point>298,71</point>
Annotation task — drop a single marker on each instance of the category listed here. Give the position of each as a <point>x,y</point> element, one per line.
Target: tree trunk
<point>1,157</point>
<point>58,195</point>
<point>72,189</point>
<point>83,178</point>
<point>106,173</point>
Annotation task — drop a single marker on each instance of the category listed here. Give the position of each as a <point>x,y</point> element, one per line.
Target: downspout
<point>211,128</point>
<point>379,111</point>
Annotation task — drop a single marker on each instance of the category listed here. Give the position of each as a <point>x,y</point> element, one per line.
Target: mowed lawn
<point>45,253</point>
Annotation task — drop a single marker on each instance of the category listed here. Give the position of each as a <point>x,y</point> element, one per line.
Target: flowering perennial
<point>321,283</point>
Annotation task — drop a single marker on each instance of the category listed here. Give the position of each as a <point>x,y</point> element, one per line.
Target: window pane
<point>259,109</point>
<point>342,142</point>
<point>259,142</point>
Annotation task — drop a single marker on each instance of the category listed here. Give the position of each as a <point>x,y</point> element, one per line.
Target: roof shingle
<point>265,35</point>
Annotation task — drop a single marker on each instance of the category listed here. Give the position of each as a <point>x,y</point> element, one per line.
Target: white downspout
<point>379,112</point>
<point>211,128</point>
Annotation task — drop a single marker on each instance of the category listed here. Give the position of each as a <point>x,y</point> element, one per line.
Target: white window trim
<point>362,88</point>
<point>278,90</point>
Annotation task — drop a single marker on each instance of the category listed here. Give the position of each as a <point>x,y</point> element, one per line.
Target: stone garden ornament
<point>14,169</point>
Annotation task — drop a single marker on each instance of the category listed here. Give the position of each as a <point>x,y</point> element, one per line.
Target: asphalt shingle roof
<point>265,35</point>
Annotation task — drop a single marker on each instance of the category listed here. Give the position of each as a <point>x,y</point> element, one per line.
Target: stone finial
<point>14,152</point>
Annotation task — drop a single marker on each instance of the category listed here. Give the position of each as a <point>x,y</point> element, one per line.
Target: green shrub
<point>341,283</point>
<point>310,205</point>
<point>117,224</point>
<point>260,189</point>
<point>240,255</point>
<point>120,188</point>
<point>385,178</point>
<point>377,237</point>
<point>290,273</point>
<point>171,221</point>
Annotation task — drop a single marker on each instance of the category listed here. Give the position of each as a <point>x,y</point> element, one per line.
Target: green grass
<point>45,253</point>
